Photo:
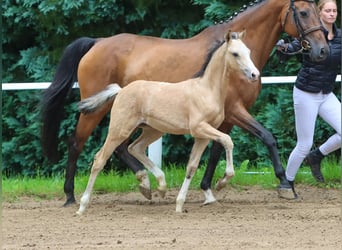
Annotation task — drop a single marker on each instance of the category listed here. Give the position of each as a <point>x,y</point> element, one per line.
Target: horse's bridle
<point>302,33</point>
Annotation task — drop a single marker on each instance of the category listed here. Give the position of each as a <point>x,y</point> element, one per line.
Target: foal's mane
<point>218,43</point>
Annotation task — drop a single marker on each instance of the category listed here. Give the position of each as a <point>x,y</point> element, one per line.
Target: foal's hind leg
<point>100,160</point>
<point>138,150</point>
<point>195,157</point>
<point>85,126</point>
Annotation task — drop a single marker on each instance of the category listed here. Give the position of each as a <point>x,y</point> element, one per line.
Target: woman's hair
<point>322,2</point>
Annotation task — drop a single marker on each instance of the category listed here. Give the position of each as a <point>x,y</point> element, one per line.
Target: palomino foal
<point>194,106</point>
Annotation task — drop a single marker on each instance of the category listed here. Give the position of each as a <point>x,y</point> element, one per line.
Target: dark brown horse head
<point>301,19</point>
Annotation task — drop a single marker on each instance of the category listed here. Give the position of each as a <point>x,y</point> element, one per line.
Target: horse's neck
<point>263,27</point>
<point>216,74</point>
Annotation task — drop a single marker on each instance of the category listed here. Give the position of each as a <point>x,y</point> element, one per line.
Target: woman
<point>312,96</point>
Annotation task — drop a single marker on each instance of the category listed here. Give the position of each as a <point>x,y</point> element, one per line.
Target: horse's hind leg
<point>195,156</point>
<point>85,126</point>
<point>138,150</point>
<point>100,160</point>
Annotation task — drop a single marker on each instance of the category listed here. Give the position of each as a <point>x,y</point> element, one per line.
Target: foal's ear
<point>228,36</point>
<point>242,34</point>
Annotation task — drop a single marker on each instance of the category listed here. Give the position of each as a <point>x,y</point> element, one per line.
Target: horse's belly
<point>169,123</point>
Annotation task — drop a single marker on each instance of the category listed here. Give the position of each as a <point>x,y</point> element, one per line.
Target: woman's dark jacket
<point>319,76</point>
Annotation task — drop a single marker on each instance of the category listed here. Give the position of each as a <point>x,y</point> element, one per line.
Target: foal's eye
<point>235,54</point>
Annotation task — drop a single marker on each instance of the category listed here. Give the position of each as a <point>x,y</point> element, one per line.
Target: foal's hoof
<point>146,192</point>
<point>162,192</point>
<point>220,184</point>
<point>286,193</point>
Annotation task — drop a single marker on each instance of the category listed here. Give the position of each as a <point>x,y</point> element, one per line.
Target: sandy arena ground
<point>251,218</point>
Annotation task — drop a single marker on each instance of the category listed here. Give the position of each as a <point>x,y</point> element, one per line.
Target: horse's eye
<point>235,54</point>
<point>303,13</point>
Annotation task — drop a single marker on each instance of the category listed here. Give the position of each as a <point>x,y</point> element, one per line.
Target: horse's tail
<point>54,97</point>
<point>94,102</point>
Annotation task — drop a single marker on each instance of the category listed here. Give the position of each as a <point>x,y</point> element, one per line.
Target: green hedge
<point>34,36</point>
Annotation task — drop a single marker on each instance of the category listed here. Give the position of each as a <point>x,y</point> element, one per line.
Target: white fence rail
<point>155,149</point>
<point>44,85</point>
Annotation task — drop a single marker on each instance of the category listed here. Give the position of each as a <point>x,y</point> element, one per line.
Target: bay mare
<point>194,106</point>
<point>123,58</point>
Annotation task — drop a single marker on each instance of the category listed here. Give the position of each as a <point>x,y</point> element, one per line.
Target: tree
<point>36,32</point>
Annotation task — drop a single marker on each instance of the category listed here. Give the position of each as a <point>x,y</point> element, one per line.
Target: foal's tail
<point>53,98</point>
<point>93,103</point>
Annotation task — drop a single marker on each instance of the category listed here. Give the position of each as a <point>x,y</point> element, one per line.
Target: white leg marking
<point>182,195</point>
<point>209,197</point>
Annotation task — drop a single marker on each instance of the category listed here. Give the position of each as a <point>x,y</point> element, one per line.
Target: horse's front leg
<point>245,121</point>
<point>195,156</point>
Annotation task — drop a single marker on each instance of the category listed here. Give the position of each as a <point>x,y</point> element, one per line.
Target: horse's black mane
<point>242,9</point>
<point>218,43</point>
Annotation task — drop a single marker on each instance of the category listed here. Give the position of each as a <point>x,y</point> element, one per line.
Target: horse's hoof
<point>146,192</point>
<point>209,197</point>
<point>179,206</point>
<point>162,192</point>
<point>221,184</point>
<point>208,202</point>
<point>79,212</point>
<point>70,201</point>
<point>287,193</point>
<point>179,210</point>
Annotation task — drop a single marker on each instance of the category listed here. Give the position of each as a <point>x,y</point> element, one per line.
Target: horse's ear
<point>227,36</point>
<point>242,34</point>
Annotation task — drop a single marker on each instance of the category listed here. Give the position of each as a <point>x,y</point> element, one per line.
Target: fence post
<point>155,152</point>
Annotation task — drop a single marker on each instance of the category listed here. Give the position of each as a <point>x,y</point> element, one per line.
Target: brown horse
<point>198,110</point>
<point>123,58</point>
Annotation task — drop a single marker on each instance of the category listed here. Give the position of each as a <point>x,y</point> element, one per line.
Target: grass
<point>48,188</point>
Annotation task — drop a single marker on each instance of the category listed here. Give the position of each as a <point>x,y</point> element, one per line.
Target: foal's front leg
<point>228,145</point>
<point>195,156</point>
<point>211,133</point>
<point>138,150</point>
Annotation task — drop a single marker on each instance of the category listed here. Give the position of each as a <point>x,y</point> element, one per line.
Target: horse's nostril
<point>254,76</point>
<point>322,52</point>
